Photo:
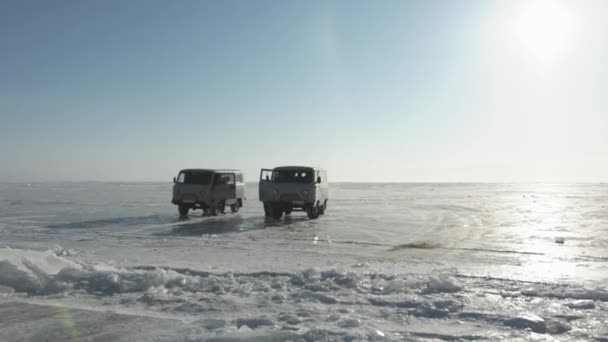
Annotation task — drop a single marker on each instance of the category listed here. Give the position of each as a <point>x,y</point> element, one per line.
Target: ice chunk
<point>47,261</point>
<point>389,286</point>
<point>65,252</point>
<point>448,304</point>
<point>18,279</point>
<point>278,298</point>
<point>244,329</point>
<point>333,318</point>
<point>6,290</point>
<point>428,310</point>
<point>557,327</point>
<point>317,286</point>
<point>30,271</point>
<point>254,322</point>
<point>349,280</point>
<point>582,304</point>
<point>323,298</point>
<point>194,308</point>
<point>212,323</point>
<point>567,292</point>
<point>443,283</point>
<point>528,321</point>
<point>323,335</point>
<point>400,302</point>
<point>293,321</point>
<point>349,323</point>
<point>289,318</point>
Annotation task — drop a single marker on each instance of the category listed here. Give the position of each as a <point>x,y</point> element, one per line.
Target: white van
<point>288,188</point>
<point>209,190</point>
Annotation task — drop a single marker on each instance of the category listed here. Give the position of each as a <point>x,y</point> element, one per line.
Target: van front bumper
<point>190,203</point>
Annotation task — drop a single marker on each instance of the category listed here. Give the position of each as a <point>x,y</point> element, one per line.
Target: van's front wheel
<point>276,211</point>
<point>266,209</point>
<point>312,211</point>
<point>183,210</point>
<point>235,207</point>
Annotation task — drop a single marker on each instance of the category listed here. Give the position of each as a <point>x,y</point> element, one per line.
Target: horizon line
<point>337,182</point>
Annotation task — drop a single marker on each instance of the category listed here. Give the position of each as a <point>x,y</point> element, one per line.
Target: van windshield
<point>195,177</point>
<point>293,176</point>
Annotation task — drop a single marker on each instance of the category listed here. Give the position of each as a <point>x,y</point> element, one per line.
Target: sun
<point>545,27</point>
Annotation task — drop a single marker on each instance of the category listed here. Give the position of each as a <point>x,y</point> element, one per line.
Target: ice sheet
<point>387,262</point>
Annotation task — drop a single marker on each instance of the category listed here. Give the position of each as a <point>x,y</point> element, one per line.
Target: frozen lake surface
<point>114,261</point>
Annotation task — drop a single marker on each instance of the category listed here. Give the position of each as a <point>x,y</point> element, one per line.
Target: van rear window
<point>197,177</point>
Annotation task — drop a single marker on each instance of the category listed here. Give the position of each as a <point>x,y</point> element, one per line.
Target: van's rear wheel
<point>322,208</point>
<point>216,209</point>
<point>312,211</point>
<point>276,211</point>
<point>235,207</point>
<point>183,210</point>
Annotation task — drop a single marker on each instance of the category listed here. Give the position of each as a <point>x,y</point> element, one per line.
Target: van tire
<point>322,208</point>
<point>235,207</point>
<point>276,211</point>
<point>266,209</point>
<point>221,207</point>
<point>312,211</point>
<point>288,209</point>
<point>183,210</point>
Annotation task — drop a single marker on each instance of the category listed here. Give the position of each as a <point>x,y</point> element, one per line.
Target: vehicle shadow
<point>226,224</point>
<point>115,221</point>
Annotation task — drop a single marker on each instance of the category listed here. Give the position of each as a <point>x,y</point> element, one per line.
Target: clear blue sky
<point>371,90</point>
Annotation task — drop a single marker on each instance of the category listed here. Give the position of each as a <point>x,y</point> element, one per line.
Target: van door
<point>265,187</point>
<point>223,187</point>
<point>193,186</point>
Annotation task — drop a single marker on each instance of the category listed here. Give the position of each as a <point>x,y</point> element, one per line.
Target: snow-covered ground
<point>113,261</point>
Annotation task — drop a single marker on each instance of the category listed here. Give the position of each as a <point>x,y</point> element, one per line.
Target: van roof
<point>300,167</point>
<point>212,170</point>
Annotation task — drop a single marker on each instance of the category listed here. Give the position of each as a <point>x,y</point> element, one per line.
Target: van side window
<point>239,178</point>
<point>180,177</point>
